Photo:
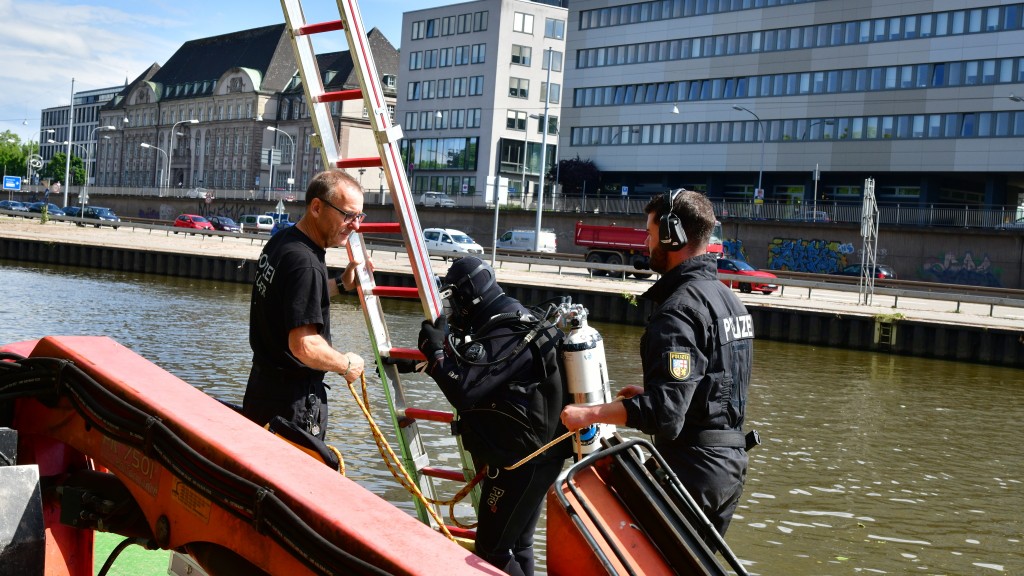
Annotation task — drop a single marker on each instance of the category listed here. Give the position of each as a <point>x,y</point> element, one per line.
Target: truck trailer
<point>625,245</point>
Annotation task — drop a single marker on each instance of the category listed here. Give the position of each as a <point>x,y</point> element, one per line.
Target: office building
<point>475,81</point>
<point>924,97</point>
<point>87,105</point>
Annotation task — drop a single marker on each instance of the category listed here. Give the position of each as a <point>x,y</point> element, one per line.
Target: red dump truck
<point>625,245</point>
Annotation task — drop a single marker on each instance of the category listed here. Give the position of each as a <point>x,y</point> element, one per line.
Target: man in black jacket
<point>697,352</point>
<point>508,391</point>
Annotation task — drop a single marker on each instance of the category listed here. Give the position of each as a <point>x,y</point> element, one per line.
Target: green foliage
<point>573,173</point>
<point>12,154</point>
<point>54,169</point>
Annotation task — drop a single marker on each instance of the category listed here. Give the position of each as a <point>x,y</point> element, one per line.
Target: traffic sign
<point>12,182</point>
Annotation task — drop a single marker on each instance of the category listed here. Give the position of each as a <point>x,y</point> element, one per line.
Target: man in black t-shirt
<point>289,315</point>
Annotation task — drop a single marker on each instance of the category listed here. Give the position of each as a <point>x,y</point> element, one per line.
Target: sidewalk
<point>838,302</point>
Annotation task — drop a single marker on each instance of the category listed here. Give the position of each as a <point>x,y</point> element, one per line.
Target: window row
<point>444,57</point>
<point>670,9</point>
<point>901,127</point>
<point>516,120</point>
<point>445,88</point>
<point>909,76</point>
<point>460,24</point>
<point>440,153</point>
<point>442,119</point>
<point>553,27</point>
<point>952,23</point>
<point>523,56</point>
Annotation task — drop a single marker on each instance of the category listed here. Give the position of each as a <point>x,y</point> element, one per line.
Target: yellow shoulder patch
<point>679,365</point>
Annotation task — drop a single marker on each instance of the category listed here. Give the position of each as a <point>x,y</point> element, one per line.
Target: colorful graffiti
<point>799,255</point>
<point>734,249</point>
<point>951,269</point>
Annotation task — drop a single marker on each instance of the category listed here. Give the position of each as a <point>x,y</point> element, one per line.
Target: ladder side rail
<point>387,144</point>
<point>312,83</point>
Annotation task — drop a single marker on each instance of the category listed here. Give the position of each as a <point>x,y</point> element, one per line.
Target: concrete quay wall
<point>834,328</point>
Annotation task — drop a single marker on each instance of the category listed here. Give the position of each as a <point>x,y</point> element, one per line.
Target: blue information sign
<point>12,182</point>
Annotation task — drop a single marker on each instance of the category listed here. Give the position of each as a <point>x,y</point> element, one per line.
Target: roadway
<point>796,292</point>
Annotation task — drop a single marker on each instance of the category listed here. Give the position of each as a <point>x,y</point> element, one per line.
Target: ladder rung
<point>410,292</point>
<point>330,26</point>
<point>380,228</point>
<point>429,415</point>
<point>461,532</point>
<point>369,162</point>
<point>406,354</point>
<point>443,473</point>
<point>340,96</point>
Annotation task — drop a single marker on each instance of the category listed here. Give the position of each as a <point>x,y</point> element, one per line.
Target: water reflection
<point>871,464</point>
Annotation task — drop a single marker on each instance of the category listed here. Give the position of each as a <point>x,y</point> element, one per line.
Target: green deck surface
<point>133,561</point>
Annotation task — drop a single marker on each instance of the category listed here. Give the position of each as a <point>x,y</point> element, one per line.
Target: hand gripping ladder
<point>405,419</point>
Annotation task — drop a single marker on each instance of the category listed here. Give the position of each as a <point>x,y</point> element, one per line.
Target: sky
<point>100,43</point>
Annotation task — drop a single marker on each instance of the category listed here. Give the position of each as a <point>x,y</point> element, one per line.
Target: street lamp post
<point>167,161</point>
<point>291,167</point>
<point>173,143</point>
<point>760,124</point>
<point>543,156</point>
<point>88,163</point>
<point>28,160</point>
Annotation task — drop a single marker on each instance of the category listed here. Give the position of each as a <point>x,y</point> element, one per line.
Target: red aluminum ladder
<point>405,419</point>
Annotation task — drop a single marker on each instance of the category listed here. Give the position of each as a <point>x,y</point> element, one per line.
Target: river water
<point>871,464</point>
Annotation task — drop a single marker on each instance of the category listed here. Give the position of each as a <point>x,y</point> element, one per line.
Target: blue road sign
<point>12,182</point>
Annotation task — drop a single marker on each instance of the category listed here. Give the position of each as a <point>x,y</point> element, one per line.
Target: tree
<point>574,174</point>
<point>54,169</point>
<point>12,154</point>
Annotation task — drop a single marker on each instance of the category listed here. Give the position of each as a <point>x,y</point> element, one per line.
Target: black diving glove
<point>432,338</point>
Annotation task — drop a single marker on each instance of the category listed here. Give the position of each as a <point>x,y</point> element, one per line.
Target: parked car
<point>882,271</point>
<point>759,279</point>
<point>1015,225</point>
<point>102,216</point>
<point>256,223</point>
<point>437,200</point>
<point>72,210</point>
<point>816,216</point>
<point>196,193</point>
<point>280,225</point>
<point>13,205</point>
<point>193,222</point>
<point>523,240</point>
<point>51,208</point>
<point>224,224</point>
<point>450,241</point>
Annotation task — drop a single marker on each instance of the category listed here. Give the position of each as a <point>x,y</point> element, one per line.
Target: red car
<point>193,221</point>
<point>757,283</point>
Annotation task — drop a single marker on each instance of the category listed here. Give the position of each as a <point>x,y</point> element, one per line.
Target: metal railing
<point>821,213</point>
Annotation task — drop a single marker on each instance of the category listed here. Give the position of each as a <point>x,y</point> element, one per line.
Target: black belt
<point>721,438</point>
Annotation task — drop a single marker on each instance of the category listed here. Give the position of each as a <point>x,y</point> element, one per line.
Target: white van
<point>437,200</point>
<point>450,241</point>
<point>260,223</point>
<point>523,240</point>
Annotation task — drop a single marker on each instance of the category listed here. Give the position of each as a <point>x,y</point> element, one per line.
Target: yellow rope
<point>541,449</point>
<point>341,460</point>
<point>391,460</point>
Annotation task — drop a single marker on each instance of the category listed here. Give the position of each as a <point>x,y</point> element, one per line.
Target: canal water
<point>871,464</point>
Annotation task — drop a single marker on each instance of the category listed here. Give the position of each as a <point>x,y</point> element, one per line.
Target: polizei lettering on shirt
<point>264,275</point>
<point>735,328</point>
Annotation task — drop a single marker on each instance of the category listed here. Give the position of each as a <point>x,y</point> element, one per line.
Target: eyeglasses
<point>348,216</point>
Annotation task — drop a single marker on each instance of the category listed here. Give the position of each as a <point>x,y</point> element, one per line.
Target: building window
<point>461,55</point>
<point>556,60</point>
<point>518,87</point>
<point>465,23</point>
<point>515,120</point>
<point>458,87</point>
<point>415,60</point>
<point>458,119</point>
<point>410,121</point>
<point>418,29</point>
<point>522,23</point>
<point>473,118</point>
<point>388,81</point>
<point>480,21</point>
<point>476,85</point>
<point>479,53</point>
<point>521,54</point>
<point>553,28</point>
<point>444,88</point>
<point>429,59</point>
<point>413,91</point>
<point>556,92</point>
<point>433,27</point>
<point>446,57</point>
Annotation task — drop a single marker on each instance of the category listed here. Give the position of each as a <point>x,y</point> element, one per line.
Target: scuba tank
<point>586,374</point>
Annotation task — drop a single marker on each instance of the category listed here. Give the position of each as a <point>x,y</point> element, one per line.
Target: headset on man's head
<point>671,235</point>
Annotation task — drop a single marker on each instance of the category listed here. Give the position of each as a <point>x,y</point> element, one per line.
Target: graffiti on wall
<point>734,249</point>
<point>799,255</point>
<point>968,270</point>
